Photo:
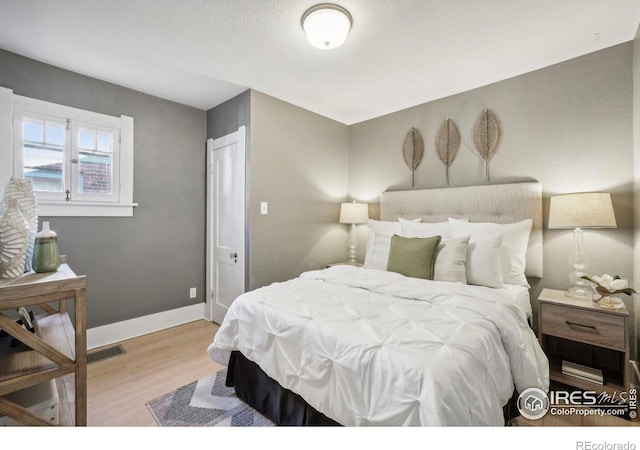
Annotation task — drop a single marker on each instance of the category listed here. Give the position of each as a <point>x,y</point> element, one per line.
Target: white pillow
<point>377,254</point>
<point>384,227</point>
<point>515,240</point>
<point>422,230</point>
<point>451,258</point>
<point>484,262</point>
<point>379,243</point>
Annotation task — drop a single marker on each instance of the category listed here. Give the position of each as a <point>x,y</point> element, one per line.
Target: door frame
<point>238,137</point>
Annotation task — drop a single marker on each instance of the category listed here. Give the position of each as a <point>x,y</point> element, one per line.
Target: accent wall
<point>568,126</point>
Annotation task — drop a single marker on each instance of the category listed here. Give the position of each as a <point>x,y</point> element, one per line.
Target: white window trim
<point>123,208</point>
<point>6,137</point>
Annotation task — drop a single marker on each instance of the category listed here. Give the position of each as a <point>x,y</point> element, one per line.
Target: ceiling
<point>399,53</point>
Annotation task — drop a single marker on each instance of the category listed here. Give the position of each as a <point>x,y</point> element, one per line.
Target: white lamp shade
<point>326,26</point>
<point>354,213</point>
<point>582,210</point>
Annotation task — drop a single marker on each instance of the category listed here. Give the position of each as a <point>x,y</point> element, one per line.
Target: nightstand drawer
<point>591,327</point>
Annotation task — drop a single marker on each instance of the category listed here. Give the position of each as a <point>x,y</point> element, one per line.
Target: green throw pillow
<point>413,257</point>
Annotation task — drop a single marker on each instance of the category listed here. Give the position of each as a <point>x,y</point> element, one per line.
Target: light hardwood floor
<point>119,387</point>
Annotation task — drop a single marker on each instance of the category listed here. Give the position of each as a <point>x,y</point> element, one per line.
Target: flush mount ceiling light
<point>326,25</point>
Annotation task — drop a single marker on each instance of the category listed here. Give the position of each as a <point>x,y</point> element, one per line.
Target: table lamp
<point>578,211</point>
<point>353,213</point>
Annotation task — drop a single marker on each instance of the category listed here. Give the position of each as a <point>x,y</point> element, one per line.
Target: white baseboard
<point>127,329</point>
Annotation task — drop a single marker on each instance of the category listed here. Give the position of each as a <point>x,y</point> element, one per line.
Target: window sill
<point>85,209</point>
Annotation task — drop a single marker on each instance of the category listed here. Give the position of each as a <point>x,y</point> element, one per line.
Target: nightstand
<point>577,331</point>
<point>345,263</point>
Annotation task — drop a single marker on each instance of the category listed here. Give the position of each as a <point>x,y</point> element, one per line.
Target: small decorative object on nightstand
<point>608,290</point>
<point>353,213</point>
<point>582,341</point>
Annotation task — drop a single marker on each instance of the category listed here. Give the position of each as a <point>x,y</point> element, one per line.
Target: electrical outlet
<point>192,293</point>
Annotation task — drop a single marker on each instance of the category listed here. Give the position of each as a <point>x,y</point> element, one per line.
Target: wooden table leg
<point>81,357</point>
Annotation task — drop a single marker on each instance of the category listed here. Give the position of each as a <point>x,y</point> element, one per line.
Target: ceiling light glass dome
<point>326,25</point>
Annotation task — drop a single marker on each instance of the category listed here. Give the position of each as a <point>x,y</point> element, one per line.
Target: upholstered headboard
<point>499,203</point>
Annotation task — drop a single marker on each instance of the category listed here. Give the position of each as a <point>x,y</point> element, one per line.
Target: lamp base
<point>352,254</point>
<point>352,244</point>
<point>579,292</point>
<point>580,288</point>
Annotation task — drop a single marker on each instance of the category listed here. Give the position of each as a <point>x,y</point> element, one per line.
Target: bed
<point>375,347</point>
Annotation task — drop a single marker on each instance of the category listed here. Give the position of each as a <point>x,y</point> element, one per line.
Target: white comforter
<point>368,347</point>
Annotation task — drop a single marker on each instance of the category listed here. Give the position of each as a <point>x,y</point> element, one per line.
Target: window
<point>66,159</point>
<point>80,162</point>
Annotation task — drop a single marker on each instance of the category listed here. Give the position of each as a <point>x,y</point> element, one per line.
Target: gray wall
<point>297,161</point>
<point>147,263</point>
<point>227,117</point>
<point>299,165</point>
<point>568,126</point>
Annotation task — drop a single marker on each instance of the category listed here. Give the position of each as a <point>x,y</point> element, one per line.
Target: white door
<point>225,222</point>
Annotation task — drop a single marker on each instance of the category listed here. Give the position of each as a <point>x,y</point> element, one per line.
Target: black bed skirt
<point>282,406</point>
<point>266,396</point>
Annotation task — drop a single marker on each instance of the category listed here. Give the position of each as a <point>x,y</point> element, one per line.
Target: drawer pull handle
<point>591,327</point>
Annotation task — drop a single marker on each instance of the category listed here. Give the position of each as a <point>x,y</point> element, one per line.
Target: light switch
<point>264,208</point>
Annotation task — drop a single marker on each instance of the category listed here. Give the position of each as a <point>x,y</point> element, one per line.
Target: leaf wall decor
<point>447,143</point>
<point>486,136</point>
<point>413,151</point>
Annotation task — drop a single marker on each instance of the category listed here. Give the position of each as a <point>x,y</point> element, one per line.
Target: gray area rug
<point>205,403</point>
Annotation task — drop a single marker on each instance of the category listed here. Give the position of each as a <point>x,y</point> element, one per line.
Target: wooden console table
<point>58,346</point>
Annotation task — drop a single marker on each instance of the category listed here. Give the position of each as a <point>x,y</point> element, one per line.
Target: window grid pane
<point>54,134</point>
<point>95,175</point>
<point>86,139</point>
<point>32,130</point>
<point>105,142</point>
<point>43,154</point>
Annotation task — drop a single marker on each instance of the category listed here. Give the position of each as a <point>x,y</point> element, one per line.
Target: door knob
<point>234,256</point>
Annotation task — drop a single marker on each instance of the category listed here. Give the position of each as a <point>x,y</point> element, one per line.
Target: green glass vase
<point>46,256</point>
